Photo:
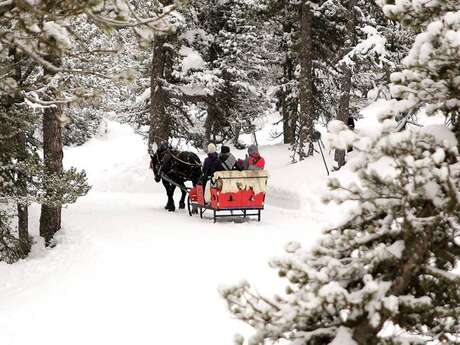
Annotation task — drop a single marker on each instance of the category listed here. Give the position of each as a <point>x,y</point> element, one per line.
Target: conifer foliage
<point>430,78</point>
<point>389,265</point>
<point>42,57</point>
<point>206,75</point>
<point>390,262</point>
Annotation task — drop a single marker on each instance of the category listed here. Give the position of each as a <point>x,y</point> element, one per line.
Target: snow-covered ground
<point>125,271</point>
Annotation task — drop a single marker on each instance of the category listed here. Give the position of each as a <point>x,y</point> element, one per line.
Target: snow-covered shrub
<point>82,125</point>
<point>11,249</point>
<point>26,179</point>
<point>431,77</point>
<point>390,263</point>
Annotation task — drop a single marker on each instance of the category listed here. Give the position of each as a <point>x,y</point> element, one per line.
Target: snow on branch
<point>443,275</point>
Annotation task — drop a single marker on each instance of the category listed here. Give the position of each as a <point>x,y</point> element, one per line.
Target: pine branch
<point>449,277</point>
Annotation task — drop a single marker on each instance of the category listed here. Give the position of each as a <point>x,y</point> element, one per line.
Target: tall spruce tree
<point>391,261</point>
<point>296,93</point>
<point>354,50</point>
<point>206,75</point>
<point>18,159</point>
<point>236,56</point>
<point>39,54</point>
<point>430,78</point>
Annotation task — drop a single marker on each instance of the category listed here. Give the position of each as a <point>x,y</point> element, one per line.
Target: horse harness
<point>165,177</point>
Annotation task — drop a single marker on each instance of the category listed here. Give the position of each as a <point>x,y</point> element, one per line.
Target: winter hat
<point>224,149</point>
<point>211,148</point>
<point>252,149</point>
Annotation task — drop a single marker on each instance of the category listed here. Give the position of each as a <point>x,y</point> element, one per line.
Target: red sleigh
<point>231,194</point>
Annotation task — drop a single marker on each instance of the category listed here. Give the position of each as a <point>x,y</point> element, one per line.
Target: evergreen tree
<point>354,46</point>
<point>206,75</point>
<point>18,162</point>
<point>40,54</point>
<point>81,124</point>
<point>24,178</point>
<point>390,261</point>
<point>430,78</point>
<point>295,89</point>
<point>236,57</point>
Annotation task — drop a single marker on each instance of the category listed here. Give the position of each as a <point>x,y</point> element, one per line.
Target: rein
<point>182,161</point>
<point>167,179</point>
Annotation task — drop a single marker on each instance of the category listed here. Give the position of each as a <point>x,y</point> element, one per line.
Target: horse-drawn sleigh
<point>231,193</point>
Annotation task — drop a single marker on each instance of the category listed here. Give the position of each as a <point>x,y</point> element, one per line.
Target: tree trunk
<point>160,123</point>
<point>305,127</point>
<point>22,207</point>
<point>50,217</point>
<point>236,137</point>
<point>21,147</point>
<point>287,109</point>
<point>209,123</point>
<point>344,108</point>
<point>343,112</point>
<point>287,129</point>
<point>457,130</point>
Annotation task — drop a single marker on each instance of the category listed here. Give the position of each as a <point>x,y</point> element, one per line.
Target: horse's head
<point>156,161</point>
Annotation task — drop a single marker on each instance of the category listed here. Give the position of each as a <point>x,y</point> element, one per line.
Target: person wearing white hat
<point>209,164</point>
<point>211,148</point>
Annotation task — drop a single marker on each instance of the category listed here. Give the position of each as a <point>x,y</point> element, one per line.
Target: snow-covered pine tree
<point>24,179</point>
<point>161,119</point>
<point>286,85</point>
<point>237,56</point>
<point>290,22</point>
<point>37,45</point>
<point>389,264</point>
<point>112,52</point>
<point>295,26</point>
<point>224,58</point>
<point>81,124</point>
<point>355,48</point>
<point>18,160</point>
<point>430,78</point>
<point>364,58</point>
<point>158,107</point>
<point>209,67</point>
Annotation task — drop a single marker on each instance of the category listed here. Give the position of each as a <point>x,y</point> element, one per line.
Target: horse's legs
<point>182,199</point>
<point>167,186</point>
<point>170,192</point>
<point>172,207</point>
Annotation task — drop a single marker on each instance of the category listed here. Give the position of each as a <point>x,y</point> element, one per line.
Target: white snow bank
<point>115,162</point>
<point>118,162</point>
<point>125,271</point>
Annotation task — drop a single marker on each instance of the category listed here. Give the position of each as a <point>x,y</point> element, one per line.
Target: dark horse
<point>171,165</point>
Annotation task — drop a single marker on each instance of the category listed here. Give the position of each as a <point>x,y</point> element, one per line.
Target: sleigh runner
<point>232,193</point>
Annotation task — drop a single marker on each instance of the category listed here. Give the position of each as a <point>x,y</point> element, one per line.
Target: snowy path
<point>125,271</point>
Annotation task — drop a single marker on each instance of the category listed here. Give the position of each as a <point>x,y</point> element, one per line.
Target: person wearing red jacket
<point>253,161</point>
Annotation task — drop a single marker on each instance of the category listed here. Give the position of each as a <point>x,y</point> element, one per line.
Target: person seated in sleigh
<point>224,161</point>
<point>253,160</point>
